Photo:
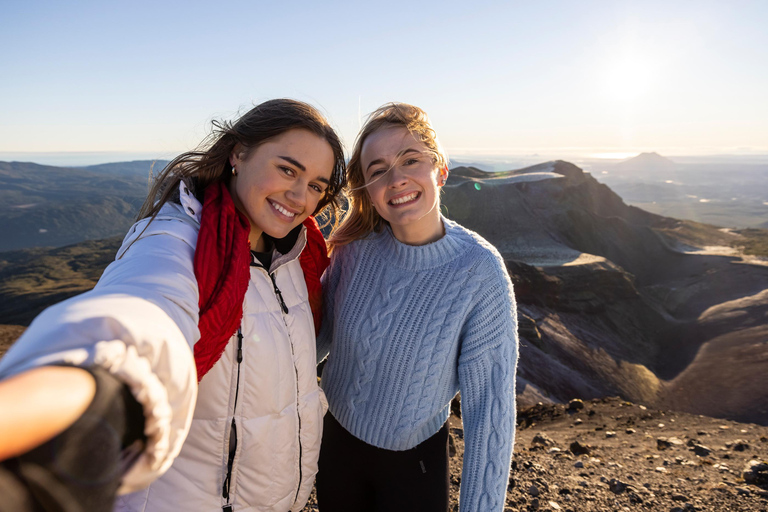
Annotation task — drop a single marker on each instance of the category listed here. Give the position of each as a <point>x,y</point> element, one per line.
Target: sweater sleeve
<point>139,323</point>
<point>329,281</point>
<point>487,367</point>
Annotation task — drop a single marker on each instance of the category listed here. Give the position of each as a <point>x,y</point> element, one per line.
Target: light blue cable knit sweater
<point>408,327</point>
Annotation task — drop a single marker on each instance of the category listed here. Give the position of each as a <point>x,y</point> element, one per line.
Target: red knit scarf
<point>222,268</point>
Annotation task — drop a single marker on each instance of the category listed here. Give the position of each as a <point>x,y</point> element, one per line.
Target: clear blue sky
<point>495,77</point>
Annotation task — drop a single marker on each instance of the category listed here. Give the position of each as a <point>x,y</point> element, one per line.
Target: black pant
<point>80,469</point>
<point>357,477</point>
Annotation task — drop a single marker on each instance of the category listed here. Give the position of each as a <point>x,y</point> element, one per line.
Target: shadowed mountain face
<point>611,301</point>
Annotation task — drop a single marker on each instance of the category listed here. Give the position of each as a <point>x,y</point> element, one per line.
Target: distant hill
<point>646,162</point>
<point>733,195</point>
<point>47,206</point>
<point>141,168</point>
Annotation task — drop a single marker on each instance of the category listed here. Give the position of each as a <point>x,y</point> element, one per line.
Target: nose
<point>297,194</point>
<point>396,177</point>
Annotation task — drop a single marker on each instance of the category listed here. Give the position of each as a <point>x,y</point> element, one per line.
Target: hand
<point>39,404</point>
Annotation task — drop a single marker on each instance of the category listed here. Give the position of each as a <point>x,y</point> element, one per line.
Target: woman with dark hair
<point>192,361</point>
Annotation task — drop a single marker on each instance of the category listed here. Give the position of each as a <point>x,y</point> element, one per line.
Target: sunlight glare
<point>629,78</point>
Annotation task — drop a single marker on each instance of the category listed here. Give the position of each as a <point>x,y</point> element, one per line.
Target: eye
<point>317,188</point>
<point>377,172</point>
<point>287,171</point>
<point>411,161</point>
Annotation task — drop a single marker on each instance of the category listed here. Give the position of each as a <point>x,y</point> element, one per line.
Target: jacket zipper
<point>284,308</point>
<point>233,429</point>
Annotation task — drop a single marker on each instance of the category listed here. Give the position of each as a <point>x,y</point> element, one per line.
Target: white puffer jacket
<point>140,323</point>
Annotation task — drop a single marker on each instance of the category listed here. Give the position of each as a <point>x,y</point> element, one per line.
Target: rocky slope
<point>617,301</point>
<point>610,454</point>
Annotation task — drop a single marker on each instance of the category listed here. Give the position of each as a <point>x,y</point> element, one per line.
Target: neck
<point>257,241</point>
<point>425,232</point>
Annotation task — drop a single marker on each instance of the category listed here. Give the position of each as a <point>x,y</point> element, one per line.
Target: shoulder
<point>171,221</point>
<point>481,255</point>
<point>357,248</point>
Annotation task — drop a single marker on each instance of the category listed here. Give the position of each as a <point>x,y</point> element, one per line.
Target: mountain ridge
<point>612,300</point>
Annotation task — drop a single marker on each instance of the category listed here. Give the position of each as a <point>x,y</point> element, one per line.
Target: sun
<point>629,78</point>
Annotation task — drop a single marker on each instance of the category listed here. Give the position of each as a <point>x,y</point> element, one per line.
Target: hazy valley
<point>47,206</point>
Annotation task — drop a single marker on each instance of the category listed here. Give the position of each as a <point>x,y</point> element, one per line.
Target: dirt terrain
<point>612,455</point>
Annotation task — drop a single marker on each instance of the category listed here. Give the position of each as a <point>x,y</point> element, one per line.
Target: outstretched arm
<point>139,324</point>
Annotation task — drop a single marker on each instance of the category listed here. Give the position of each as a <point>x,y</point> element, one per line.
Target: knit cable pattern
<point>442,326</point>
<point>376,328</point>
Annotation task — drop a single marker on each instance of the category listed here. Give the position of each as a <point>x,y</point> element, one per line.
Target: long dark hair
<point>209,163</point>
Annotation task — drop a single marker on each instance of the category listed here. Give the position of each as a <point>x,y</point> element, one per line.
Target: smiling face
<point>402,181</point>
<point>279,183</point>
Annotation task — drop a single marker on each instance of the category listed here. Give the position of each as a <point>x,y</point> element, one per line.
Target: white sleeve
<point>139,323</point>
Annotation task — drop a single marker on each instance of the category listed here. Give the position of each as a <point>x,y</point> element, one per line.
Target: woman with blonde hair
<point>418,308</point>
<point>192,362</point>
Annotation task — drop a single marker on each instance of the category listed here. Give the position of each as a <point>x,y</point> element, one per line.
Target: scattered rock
<point>663,443</point>
<point>577,448</point>
<point>756,473</point>
<point>740,445</point>
<point>534,491</point>
<point>679,497</point>
<point>701,450</point>
<point>617,486</point>
<point>578,464</point>
<point>541,441</point>
<point>575,405</point>
<point>610,434</point>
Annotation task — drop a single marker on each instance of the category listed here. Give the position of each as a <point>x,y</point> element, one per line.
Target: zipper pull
<point>279,295</point>
<point>239,345</point>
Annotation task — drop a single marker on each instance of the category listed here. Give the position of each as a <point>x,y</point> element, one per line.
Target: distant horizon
<point>464,155</point>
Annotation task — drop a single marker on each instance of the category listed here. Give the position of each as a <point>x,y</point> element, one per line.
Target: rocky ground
<point>612,455</point>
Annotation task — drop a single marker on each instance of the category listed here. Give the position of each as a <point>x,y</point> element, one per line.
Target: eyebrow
<point>381,160</point>
<point>301,166</point>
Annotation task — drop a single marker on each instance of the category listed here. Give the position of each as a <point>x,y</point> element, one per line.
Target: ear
<point>234,157</point>
<point>442,176</point>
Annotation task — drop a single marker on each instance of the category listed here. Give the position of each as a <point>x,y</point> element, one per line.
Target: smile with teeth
<point>282,210</point>
<point>404,199</point>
